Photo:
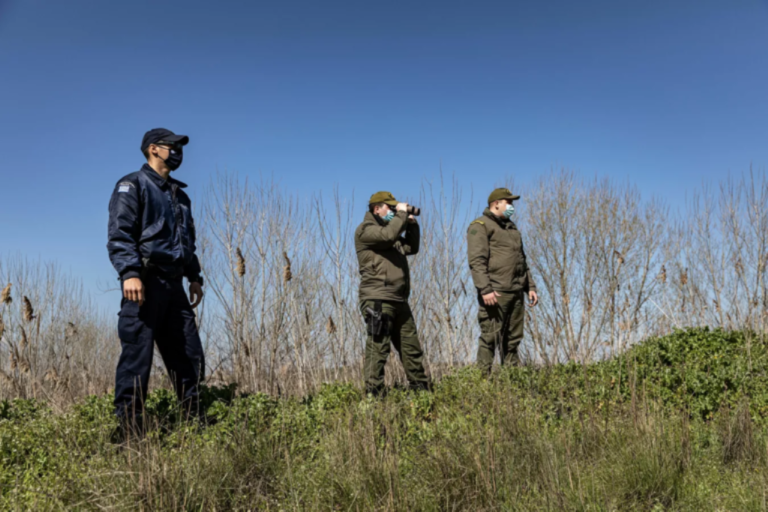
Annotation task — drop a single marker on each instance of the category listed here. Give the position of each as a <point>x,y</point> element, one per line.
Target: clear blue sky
<point>370,95</point>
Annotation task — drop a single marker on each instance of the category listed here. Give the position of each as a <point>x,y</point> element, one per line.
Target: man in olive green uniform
<point>502,278</point>
<point>382,242</point>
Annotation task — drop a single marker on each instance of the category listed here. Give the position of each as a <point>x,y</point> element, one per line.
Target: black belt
<point>169,272</point>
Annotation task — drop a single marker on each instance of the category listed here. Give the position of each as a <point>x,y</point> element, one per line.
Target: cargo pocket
<point>129,324</point>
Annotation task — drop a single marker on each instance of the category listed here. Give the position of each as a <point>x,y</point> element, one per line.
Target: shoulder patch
<point>477,222</point>
<point>125,186</point>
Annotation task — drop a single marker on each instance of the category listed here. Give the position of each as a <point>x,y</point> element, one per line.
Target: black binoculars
<point>413,210</point>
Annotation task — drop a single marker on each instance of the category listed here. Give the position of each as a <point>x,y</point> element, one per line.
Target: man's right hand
<point>490,298</point>
<point>402,207</point>
<point>133,289</point>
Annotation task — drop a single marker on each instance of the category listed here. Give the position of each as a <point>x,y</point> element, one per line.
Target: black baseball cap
<point>156,135</point>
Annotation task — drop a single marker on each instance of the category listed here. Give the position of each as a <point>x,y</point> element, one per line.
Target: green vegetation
<point>677,423</point>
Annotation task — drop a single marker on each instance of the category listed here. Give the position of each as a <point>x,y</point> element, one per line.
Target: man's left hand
<point>195,294</point>
<point>411,219</point>
<point>533,298</point>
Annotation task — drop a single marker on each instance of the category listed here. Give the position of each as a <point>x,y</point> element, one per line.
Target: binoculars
<point>413,210</point>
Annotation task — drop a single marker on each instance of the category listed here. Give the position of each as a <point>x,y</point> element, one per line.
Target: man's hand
<point>490,298</point>
<point>195,294</point>
<point>402,207</point>
<point>533,297</point>
<point>411,219</point>
<point>133,289</point>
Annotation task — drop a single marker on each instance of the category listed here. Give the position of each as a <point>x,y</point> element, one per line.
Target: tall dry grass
<point>281,316</point>
<point>54,342</point>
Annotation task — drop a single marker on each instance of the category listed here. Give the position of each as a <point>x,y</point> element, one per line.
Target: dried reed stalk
<point>29,311</point>
<point>6,379</point>
<point>240,263</point>
<point>287,275</point>
<point>6,298</point>
<point>24,340</point>
<point>70,331</point>
<point>51,376</point>
<point>330,326</point>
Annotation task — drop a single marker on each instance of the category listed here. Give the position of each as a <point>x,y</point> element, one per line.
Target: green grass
<point>678,423</point>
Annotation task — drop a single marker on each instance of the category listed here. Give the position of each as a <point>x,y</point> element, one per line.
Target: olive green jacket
<point>496,255</point>
<point>381,252</point>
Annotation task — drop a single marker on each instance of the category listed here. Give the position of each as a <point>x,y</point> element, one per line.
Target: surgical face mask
<point>509,211</point>
<point>389,216</point>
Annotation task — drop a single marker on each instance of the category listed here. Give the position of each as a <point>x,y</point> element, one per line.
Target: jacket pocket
<point>493,265</point>
<point>188,225</point>
<point>379,269</point>
<point>129,324</point>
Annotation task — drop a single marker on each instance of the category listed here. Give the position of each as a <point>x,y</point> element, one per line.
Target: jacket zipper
<point>177,216</point>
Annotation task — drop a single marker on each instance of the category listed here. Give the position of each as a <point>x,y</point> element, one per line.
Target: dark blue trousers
<point>165,318</point>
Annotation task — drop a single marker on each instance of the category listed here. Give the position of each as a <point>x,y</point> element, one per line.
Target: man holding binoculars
<point>389,233</point>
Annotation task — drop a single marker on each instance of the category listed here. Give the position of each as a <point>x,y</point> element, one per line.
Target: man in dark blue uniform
<point>152,247</point>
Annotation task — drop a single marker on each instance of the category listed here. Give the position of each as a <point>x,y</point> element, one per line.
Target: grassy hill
<point>676,423</point>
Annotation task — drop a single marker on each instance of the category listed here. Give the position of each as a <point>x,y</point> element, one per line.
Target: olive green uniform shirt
<point>496,255</point>
<point>381,249</point>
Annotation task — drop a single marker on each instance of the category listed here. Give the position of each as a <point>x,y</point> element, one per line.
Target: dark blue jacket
<point>150,225</point>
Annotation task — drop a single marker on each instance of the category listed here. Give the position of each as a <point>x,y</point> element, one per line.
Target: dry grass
<point>280,314</point>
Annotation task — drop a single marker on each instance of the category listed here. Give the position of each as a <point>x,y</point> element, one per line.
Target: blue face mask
<point>389,216</point>
<point>509,211</point>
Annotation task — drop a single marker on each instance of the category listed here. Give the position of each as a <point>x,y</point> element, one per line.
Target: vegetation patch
<point>676,423</point>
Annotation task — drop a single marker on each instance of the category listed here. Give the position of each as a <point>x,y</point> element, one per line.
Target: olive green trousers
<point>400,331</point>
<point>501,326</point>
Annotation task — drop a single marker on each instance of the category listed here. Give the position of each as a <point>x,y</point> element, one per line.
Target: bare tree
<point>281,313</point>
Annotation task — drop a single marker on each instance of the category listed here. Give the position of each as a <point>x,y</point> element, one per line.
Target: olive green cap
<point>383,197</point>
<point>502,193</point>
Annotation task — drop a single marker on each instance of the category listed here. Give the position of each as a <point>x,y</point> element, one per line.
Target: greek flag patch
<point>124,186</point>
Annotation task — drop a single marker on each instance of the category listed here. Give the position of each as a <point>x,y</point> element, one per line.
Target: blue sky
<point>367,95</point>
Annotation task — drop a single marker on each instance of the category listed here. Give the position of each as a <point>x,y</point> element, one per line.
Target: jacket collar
<point>158,180</point>
<point>501,221</point>
<point>373,218</point>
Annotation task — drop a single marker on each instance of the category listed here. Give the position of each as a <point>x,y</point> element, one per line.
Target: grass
<point>668,426</point>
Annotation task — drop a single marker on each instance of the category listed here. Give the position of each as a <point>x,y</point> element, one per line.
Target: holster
<point>377,323</point>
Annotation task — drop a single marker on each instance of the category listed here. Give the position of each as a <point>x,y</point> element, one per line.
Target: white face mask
<point>509,211</point>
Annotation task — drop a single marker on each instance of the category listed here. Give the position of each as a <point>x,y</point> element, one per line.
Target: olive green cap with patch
<point>383,197</point>
<point>502,193</point>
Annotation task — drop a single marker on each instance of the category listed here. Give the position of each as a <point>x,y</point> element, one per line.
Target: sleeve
<point>412,239</point>
<point>530,283</point>
<point>124,230</point>
<point>373,235</point>
<point>478,253</point>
